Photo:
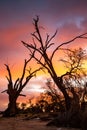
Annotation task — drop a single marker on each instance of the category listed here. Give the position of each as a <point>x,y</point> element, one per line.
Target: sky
<point>16,18</point>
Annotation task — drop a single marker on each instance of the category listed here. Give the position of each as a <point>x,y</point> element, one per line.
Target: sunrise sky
<point>68,16</point>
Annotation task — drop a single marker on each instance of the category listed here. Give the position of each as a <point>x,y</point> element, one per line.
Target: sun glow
<point>36,88</point>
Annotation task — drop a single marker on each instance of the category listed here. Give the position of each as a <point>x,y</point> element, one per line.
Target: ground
<point>18,123</point>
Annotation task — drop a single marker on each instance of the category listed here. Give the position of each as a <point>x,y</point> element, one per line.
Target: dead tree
<point>44,59</point>
<point>14,89</point>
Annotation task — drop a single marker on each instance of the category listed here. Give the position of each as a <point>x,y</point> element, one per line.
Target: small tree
<point>45,60</point>
<point>14,89</point>
<point>56,96</point>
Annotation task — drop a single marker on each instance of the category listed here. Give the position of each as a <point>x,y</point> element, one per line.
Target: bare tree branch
<point>22,95</point>
<point>15,84</point>
<point>31,47</point>
<point>68,42</point>
<point>4,91</point>
<point>52,37</point>
<point>9,73</point>
<point>24,69</point>
<point>38,32</point>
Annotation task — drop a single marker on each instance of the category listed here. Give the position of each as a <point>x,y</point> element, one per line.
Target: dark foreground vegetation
<point>65,98</point>
<point>54,112</point>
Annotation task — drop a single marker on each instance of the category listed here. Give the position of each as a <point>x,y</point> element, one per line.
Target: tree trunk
<point>12,108</point>
<point>59,83</point>
<point>66,96</point>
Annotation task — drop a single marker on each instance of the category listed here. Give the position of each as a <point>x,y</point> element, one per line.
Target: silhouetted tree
<point>46,60</point>
<point>56,97</point>
<point>15,88</point>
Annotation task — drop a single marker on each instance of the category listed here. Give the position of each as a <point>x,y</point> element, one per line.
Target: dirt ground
<point>18,123</point>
